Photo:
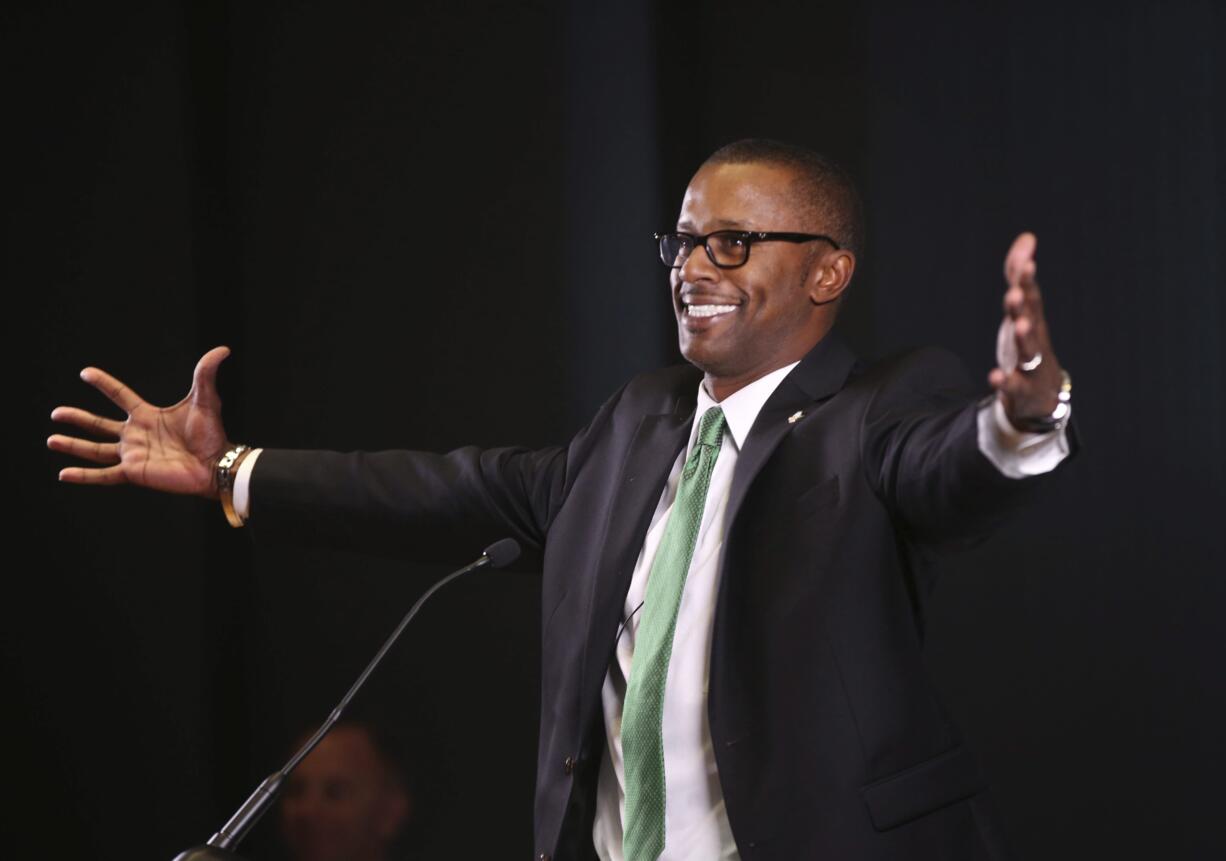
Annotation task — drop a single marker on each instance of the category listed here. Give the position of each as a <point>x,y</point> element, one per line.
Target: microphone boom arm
<point>222,844</point>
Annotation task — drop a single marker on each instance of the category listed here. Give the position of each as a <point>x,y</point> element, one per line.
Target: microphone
<point>502,553</point>
<point>221,845</point>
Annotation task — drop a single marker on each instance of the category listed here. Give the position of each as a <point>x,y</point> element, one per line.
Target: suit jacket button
<point>568,765</point>
<point>542,857</point>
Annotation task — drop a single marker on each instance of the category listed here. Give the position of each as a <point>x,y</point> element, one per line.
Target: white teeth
<point>708,310</point>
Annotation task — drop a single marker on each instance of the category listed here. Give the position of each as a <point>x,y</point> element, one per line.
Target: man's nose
<point>698,266</point>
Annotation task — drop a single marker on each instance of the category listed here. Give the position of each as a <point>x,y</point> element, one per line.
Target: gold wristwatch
<point>226,470</point>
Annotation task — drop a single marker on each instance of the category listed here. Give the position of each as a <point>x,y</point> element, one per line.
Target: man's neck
<point>721,388</point>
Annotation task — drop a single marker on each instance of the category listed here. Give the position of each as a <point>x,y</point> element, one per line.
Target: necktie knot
<point>711,427</point>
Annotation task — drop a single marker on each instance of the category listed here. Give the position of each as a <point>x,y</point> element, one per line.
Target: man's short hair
<point>824,190</point>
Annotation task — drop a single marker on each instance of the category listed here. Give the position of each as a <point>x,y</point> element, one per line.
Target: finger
<point>1023,290</point>
<point>1030,291</point>
<point>1026,337</point>
<point>1015,301</point>
<point>98,452</point>
<point>204,378</point>
<point>81,475</point>
<point>86,421</point>
<point>120,395</point>
<point>1014,384</point>
<point>1021,252</point>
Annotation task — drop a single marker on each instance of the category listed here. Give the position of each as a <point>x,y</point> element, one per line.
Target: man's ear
<point>830,276</point>
<point>395,807</point>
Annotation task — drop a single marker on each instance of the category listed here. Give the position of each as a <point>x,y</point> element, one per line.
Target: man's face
<point>764,317</point>
<point>340,804</point>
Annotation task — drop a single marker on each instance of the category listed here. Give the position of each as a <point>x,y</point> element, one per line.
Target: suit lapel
<point>656,444</point>
<point>820,374</point>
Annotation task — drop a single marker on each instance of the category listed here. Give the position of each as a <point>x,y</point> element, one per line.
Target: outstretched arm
<point>924,441</point>
<point>173,449</point>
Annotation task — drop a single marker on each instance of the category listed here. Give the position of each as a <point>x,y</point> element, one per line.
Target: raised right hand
<point>173,449</point>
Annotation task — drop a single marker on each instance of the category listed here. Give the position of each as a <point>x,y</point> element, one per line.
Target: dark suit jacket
<point>829,738</point>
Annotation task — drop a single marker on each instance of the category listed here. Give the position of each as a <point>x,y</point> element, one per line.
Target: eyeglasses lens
<point>729,249</point>
<point>674,248</point>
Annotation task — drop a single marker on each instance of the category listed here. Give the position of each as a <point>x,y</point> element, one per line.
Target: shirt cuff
<point>1017,454</point>
<point>242,481</point>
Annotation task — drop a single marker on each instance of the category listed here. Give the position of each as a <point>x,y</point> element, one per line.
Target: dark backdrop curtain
<point>429,225</point>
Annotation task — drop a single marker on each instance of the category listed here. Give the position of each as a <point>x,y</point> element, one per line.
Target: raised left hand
<point>1025,394</point>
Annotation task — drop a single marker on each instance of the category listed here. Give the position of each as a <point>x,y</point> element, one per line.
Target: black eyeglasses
<point>727,249</point>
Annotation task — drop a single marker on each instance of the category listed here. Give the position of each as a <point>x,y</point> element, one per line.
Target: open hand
<point>173,448</point>
<point>1028,378</point>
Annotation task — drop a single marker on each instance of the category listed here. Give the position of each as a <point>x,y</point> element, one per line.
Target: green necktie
<point>643,710</point>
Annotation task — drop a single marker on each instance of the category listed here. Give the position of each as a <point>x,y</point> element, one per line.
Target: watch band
<point>226,470</point>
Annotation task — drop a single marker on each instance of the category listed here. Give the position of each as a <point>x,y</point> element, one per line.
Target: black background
<point>424,225</point>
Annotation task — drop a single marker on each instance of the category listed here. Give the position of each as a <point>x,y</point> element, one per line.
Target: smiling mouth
<point>709,310</point>
<point>700,309</point>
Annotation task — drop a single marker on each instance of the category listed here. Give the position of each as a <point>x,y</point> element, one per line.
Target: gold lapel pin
<point>795,417</point>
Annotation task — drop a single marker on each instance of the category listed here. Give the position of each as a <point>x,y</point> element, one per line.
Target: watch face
<point>1006,346</point>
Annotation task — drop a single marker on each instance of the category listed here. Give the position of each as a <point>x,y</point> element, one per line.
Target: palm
<point>172,448</point>
<point>162,448</point>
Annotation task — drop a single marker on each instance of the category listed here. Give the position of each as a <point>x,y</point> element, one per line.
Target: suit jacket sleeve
<point>413,504</point>
<point>920,451</point>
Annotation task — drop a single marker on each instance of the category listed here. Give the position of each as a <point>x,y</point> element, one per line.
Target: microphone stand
<point>221,845</point>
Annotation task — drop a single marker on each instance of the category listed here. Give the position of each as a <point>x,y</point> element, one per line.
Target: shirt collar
<point>740,408</point>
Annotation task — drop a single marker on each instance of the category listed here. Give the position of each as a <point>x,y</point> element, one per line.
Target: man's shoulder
<point>659,390</point>
<point>922,368</point>
<point>664,391</point>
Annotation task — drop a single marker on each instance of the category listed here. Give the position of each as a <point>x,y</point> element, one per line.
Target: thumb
<point>204,378</point>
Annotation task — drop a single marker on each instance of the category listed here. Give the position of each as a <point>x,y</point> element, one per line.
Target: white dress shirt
<point>696,824</point>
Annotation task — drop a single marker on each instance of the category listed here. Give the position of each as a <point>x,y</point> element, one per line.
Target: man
<point>346,801</point>
<point>753,531</point>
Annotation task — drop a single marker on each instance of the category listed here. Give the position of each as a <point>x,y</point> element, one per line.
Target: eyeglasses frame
<point>748,236</point>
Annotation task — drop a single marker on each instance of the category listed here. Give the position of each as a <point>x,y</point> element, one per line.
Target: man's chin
<point>712,362</point>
